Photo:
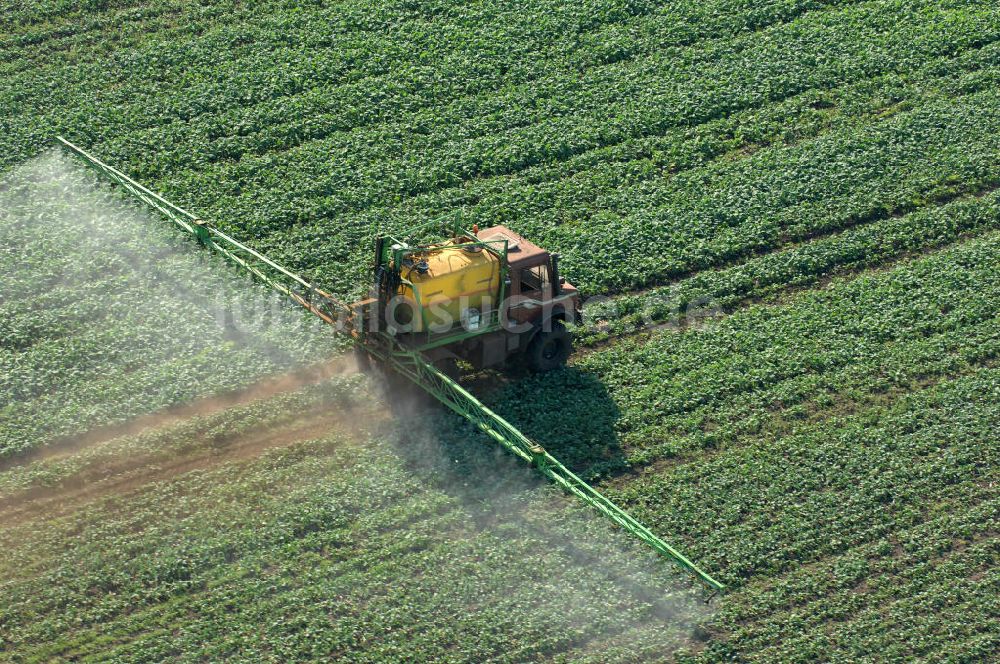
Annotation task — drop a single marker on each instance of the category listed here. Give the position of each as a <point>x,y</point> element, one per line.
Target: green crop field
<point>785,214</point>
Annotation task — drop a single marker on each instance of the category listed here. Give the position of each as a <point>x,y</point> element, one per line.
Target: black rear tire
<point>362,359</point>
<point>550,350</point>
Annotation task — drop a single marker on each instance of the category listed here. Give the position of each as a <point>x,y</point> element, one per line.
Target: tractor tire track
<point>263,389</point>
<point>121,477</point>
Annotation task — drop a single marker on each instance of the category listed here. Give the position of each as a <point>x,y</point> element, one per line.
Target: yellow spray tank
<point>447,284</point>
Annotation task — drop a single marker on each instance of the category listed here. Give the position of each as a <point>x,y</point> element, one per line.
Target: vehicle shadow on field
<point>569,412</point>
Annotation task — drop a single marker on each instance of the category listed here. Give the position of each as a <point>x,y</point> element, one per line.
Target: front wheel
<point>550,350</point>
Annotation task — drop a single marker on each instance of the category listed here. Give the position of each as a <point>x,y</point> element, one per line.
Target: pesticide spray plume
<point>138,457</point>
<point>108,314</point>
<point>118,329</point>
<point>506,499</point>
<point>409,356</point>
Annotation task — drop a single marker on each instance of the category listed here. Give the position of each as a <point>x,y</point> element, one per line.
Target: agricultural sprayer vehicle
<point>442,296</point>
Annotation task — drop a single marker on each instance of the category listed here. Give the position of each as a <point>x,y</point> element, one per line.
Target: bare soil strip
<point>263,389</point>
<point>125,475</point>
<point>120,474</point>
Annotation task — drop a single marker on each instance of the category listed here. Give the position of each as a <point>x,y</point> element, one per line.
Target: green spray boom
<point>343,317</point>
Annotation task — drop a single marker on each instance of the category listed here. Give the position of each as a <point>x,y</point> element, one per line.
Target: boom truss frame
<point>406,362</point>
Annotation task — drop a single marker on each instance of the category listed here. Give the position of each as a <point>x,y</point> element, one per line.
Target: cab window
<point>534,280</point>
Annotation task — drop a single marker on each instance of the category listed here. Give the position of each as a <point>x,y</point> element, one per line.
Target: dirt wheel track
<point>262,389</point>
<point>119,475</point>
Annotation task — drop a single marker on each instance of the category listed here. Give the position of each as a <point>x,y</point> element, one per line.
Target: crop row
<point>778,504</point>
<point>61,42</point>
<point>703,408</point>
<point>22,16</point>
<point>572,196</point>
<point>323,47</point>
<point>945,531</point>
<point>155,448</point>
<point>816,453</point>
<point>870,245</point>
<point>830,457</point>
<point>367,552</point>
<point>413,107</point>
<point>946,559</point>
<point>239,212</point>
<point>920,612</point>
<point>56,44</point>
<point>657,211</point>
<point>602,177</point>
<point>768,372</point>
<point>566,114</point>
<point>856,197</point>
<point>787,195</point>
<point>262,210</point>
<point>883,330</point>
<point>356,557</point>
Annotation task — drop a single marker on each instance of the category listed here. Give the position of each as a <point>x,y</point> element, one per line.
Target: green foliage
<point>831,458</point>
<point>869,245</point>
<point>830,455</point>
<point>527,117</point>
<point>333,546</point>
